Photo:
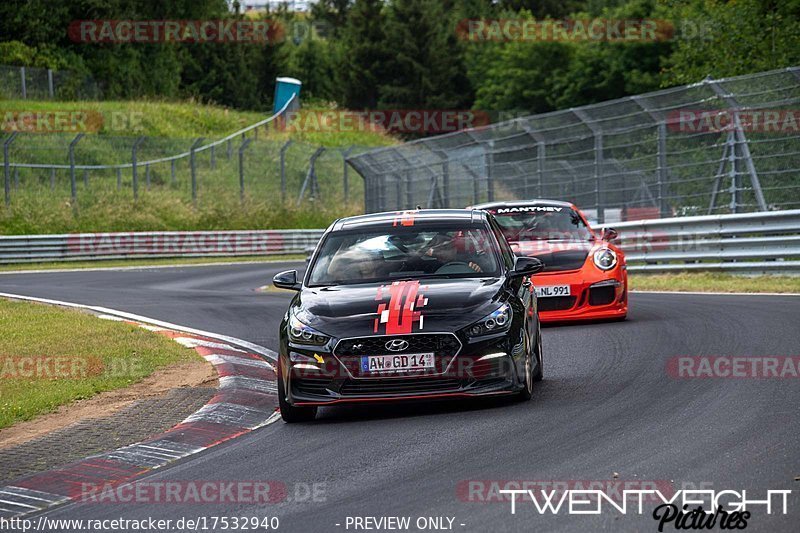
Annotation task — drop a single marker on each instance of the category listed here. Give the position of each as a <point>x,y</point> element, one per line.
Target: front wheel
<point>539,375</point>
<point>291,413</point>
<point>527,390</point>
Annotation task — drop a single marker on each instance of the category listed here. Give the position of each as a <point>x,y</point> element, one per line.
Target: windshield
<point>562,223</point>
<point>401,253</point>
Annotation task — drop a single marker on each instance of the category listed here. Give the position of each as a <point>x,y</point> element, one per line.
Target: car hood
<point>556,255</point>
<point>402,307</point>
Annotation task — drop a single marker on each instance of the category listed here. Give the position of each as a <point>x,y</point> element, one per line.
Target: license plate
<point>395,363</point>
<point>547,291</point>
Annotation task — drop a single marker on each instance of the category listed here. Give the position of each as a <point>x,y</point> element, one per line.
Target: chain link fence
<point>714,147</point>
<point>23,83</point>
<point>254,162</point>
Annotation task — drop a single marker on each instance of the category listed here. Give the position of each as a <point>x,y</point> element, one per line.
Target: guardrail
<point>148,245</point>
<point>748,243</point>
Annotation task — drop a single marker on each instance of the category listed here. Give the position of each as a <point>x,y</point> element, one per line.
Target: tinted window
<point>404,252</point>
<point>555,223</point>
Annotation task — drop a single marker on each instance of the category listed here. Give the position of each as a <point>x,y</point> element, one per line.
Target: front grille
<point>556,303</point>
<point>443,345</point>
<point>601,295</point>
<point>420,385</point>
<point>311,386</point>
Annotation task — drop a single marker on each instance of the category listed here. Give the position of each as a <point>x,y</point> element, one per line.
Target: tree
<point>363,55</point>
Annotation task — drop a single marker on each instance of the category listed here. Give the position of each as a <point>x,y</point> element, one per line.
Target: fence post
<point>72,184</point>
<point>52,179</point>
<point>135,149</point>
<point>119,178</point>
<point>540,155</point>
<point>663,170</point>
<point>24,84</point>
<point>283,169</point>
<point>7,166</point>
<point>489,174</point>
<point>193,166</point>
<point>345,179</point>
<point>50,86</point>
<point>213,157</point>
<point>172,171</point>
<point>242,148</point>
<point>311,175</point>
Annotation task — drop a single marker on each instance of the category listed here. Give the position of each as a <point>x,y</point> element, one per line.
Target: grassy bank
<point>41,199</point>
<point>713,282</point>
<point>51,356</point>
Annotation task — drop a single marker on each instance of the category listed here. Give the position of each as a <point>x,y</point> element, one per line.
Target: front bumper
<point>467,373</point>
<point>594,295</point>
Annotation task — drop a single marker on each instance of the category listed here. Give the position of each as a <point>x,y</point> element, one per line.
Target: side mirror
<point>526,266</point>
<point>609,234</point>
<point>286,280</point>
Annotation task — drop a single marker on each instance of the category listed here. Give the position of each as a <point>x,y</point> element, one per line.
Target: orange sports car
<point>585,277</point>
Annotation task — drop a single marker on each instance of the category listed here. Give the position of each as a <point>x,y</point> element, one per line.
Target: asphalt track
<point>607,406</point>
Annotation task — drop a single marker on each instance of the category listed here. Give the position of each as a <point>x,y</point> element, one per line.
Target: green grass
<point>713,282</point>
<point>40,205</point>
<point>176,261</point>
<point>101,355</point>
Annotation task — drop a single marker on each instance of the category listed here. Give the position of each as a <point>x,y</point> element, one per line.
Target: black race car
<point>411,305</point>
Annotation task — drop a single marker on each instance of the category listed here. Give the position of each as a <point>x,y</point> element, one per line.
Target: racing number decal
<point>401,312</point>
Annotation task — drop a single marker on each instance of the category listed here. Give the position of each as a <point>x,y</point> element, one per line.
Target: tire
<point>539,375</point>
<point>527,390</point>
<point>291,413</point>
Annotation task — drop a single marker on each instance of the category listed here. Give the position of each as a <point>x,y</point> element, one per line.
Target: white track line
<point>266,352</point>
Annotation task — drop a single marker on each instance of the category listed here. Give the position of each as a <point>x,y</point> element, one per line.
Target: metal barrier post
<point>135,149</point>
<point>242,148</point>
<point>172,171</point>
<point>24,83</point>
<point>193,165</point>
<point>73,187</point>
<point>50,86</point>
<point>7,166</point>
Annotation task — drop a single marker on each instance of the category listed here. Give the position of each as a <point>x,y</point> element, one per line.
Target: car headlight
<point>605,259</point>
<point>303,334</point>
<point>494,322</point>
